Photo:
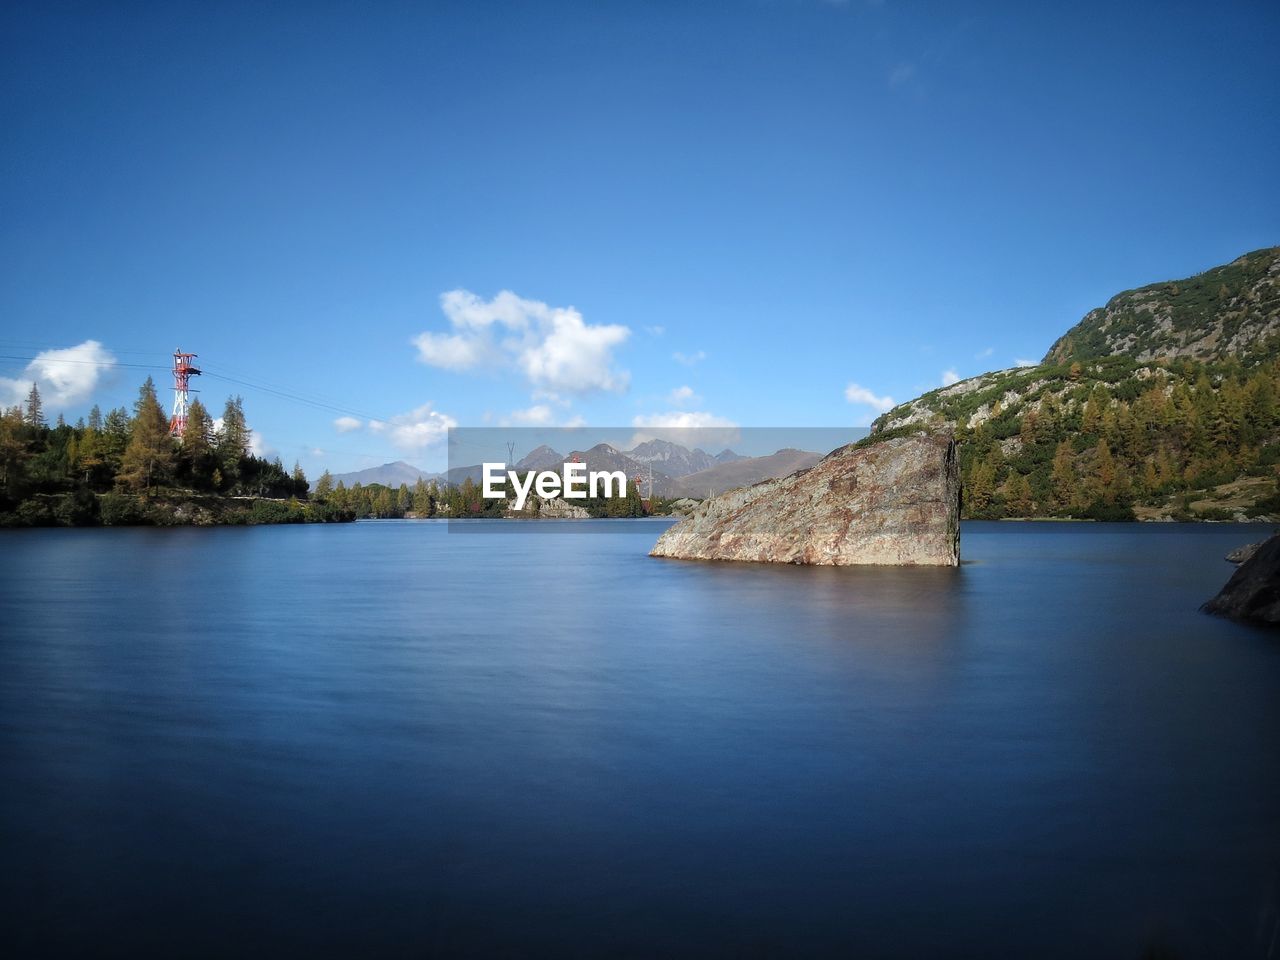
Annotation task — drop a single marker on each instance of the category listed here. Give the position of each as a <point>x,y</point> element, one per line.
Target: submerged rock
<point>1253,592</point>
<point>892,502</point>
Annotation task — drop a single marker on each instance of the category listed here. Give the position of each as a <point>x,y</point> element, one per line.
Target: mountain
<point>1164,404</point>
<point>1223,312</point>
<point>728,456</point>
<point>743,472</point>
<point>540,458</point>
<point>605,456</point>
<point>671,458</point>
<point>389,474</point>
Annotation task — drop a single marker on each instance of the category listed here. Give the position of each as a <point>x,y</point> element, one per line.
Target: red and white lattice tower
<point>183,370</point>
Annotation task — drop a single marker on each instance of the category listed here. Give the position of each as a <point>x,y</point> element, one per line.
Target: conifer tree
<point>232,444</point>
<point>149,457</point>
<point>35,407</point>
<point>1063,477</point>
<point>197,437</point>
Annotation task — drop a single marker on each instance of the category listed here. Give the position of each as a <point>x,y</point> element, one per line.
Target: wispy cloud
<point>902,74</point>
<point>682,395</point>
<point>949,377</point>
<point>416,429</point>
<point>861,395</point>
<point>689,359</point>
<point>983,354</point>
<point>347,424</point>
<point>1025,363</point>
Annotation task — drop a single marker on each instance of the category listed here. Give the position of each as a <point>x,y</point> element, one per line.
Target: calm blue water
<point>385,740</point>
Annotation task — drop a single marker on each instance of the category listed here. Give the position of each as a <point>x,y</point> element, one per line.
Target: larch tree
<point>149,457</point>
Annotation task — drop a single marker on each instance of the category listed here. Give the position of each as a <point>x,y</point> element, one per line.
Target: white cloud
<point>1025,363</point>
<point>259,447</point>
<point>65,376</point>
<point>689,359</point>
<point>317,452</point>
<point>417,429</point>
<point>682,395</point>
<point>656,330</point>
<point>856,394</point>
<point>347,424</point>
<point>983,354</point>
<point>537,415</point>
<point>553,347</point>
<point>949,377</point>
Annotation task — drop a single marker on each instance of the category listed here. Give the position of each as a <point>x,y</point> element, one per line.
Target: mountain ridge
<point>1160,405</point>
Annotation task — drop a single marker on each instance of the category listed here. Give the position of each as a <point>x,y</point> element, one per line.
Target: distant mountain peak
<point>390,474</point>
<point>675,460</point>
<point>540,458</point>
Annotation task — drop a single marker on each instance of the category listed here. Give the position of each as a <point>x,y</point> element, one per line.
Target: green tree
<point>421,499</point>
<point>233,439</point>
<point>324,486</point>
<point>148,459</point>
<point>196,452</point>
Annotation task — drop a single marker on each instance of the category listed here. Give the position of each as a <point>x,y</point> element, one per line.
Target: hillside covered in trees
<point>122,468</point>
<point>1161,405</point>
<point>429,499</point>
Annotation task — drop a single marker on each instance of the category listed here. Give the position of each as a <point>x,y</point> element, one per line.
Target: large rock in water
<point>1253,592</point>
<point>892,502</point>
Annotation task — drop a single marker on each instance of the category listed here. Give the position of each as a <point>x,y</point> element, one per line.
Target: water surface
<point>385,740</point>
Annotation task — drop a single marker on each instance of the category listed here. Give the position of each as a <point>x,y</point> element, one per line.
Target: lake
<point>385,739</point>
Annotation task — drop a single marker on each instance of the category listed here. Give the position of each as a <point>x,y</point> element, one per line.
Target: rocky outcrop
<point>544,508</point>
<point>1253,592</point>
<point>894,501</point>
<point>1241,554</point>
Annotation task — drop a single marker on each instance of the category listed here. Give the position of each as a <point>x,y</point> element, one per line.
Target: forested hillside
<point>428,499</point>
<point>1147,431</point>
<point>1224,312</point>
<point>122,468</point>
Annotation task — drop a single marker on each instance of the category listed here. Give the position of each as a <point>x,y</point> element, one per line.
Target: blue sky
<point>761,213</point>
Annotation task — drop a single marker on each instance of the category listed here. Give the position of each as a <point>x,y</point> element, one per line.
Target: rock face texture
<point>1253,592</point>
<point>540,508</point>
<point>892,502</point>
<point>1241,554</point>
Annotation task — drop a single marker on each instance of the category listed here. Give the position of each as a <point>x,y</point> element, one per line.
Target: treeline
<point>1096,441</point>
<point>126,468</point>
<point>429,499</point>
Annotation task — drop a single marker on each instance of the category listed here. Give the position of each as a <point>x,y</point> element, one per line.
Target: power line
<point>275,391</point>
